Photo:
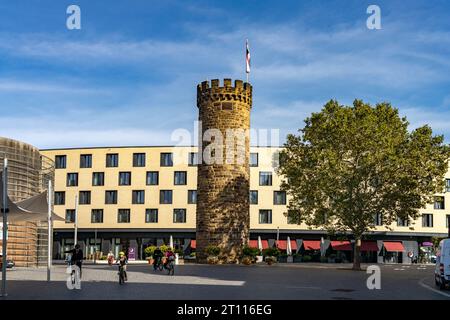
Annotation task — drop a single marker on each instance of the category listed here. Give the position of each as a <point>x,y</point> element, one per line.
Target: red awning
<point>254,244</point>
<point>282,244</point>
<point>369,246</point>
<point>393,246</point>
<point>341,245</point>
<point>193,244</point>
<point>311,244</point>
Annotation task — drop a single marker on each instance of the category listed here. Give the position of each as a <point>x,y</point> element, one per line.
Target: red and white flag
<point>247,57</point>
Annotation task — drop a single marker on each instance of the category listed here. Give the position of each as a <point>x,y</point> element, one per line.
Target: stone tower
<point>223,186</point>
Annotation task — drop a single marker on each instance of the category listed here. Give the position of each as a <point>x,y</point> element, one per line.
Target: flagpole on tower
<point>247,59</point>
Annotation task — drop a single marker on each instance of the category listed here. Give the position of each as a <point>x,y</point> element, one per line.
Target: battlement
<point>241,91</point>
<point>215,85</point>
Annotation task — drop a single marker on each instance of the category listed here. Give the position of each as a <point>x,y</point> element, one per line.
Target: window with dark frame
<point>60,162</point>
<point>402,222</point>
<point>166,159</point>
<point>179,215</point>
<point>265,216</point>
<point>165,197</point>
<point>447,219</point>
<point>112,160</point>
<point>123,216</point>
<point>279,197</point>
<point>60,198</point>
<point>72,179</point>
<point>253,159</point>
<point>97,216</point>
<point>86,161</point>
<point>98,179</point>
<point>124,178</point>
<point>85,197</point>
<point>253,196</point>
<point>70,216</point>
<point>138,159</point>
<point>193,159</point>
<point>180,178</point>
<point>152,178</point>
<point>110,197</point>
<point>151,216</point>
<point>192,196</point>
<point>378,219</point>
<point>427,220</point>
<point>138,197</point>
<point>265,178</point>
<point>439,203</point>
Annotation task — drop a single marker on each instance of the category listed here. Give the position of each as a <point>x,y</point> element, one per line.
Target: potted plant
<point>297,257</point>
<point>247,260</point>
<point>306,258</point>
<point>213,254</point>
<point>251,253</point>
<point>148,252</point>
<point>271,255</point>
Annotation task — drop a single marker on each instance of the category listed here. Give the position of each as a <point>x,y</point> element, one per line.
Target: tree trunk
<point>357,254</point>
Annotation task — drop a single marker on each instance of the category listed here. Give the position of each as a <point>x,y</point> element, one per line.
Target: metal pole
<point>50,229</point>
<point>448,223</point>
<point>75,238</point>
<point>95,247</point>
<point>5,225</point>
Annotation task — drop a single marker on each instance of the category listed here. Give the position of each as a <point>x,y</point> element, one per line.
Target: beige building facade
<point>132,197</point>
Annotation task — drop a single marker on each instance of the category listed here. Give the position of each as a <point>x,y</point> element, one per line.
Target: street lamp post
<point>5,225</point>
<point>50,230</point>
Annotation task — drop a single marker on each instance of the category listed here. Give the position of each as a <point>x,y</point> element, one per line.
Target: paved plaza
<point>281,281</point>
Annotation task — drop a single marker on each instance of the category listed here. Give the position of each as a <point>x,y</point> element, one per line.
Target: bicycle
<point>158,265</point>
<point>121,274</point>
<point>170,266</point>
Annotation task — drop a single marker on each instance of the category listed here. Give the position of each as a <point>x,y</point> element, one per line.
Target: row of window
<point>138,197</point>
<point>427,221</point>
<point>139,160</point>
<point>124,216</point>
<point>165,197</point>
<point>152,178</point>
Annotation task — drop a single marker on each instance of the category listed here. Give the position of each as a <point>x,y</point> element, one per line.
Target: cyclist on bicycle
<point>76,256</point>
<point>123,261</point>
<point>157,256</point>
<point>170,256</point>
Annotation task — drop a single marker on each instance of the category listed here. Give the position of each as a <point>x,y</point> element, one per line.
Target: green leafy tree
<point>350,163</point>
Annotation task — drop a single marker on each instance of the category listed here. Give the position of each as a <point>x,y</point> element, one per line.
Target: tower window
<point>253,196</point>
<point>279,197</point>
<point>165,196</point>
<point>180,177</point>
<point>98,178</point>
<point>70,216</point>
<point>123,216</point>
<point>151,216</point>
<point>152,178</point>
<point>111,197</point>
<point>124,178</point>
<point>192,196</point>
<point>427,220</point>
<point>253,159</point>
<point>227,105</point>
<point>60,198</point>
<point>85,197</point>
<point>72,179</point>
<point>97,216</point>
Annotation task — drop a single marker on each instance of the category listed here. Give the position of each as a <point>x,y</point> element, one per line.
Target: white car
<point>442,270</point>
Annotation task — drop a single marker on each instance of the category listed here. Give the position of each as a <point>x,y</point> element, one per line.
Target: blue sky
<point>129,76</point>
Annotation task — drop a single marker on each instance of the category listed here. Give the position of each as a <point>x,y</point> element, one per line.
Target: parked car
<point>442,269</point>
<point>9,263</point>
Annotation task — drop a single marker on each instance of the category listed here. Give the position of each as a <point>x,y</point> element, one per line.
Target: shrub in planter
<point>192,255</point>
<point>323,259</point>
<point>247,260</point>
<point>149,251</point>
<point>297,257</point>
<point>282,258</point>
<point>251,252</point>
<point>163,248</point>
<point>271,252</point>
<point>306,258</point>
<point>270,260</point>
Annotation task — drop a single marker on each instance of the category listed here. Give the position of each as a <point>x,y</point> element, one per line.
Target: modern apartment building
<point>132,197</point>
